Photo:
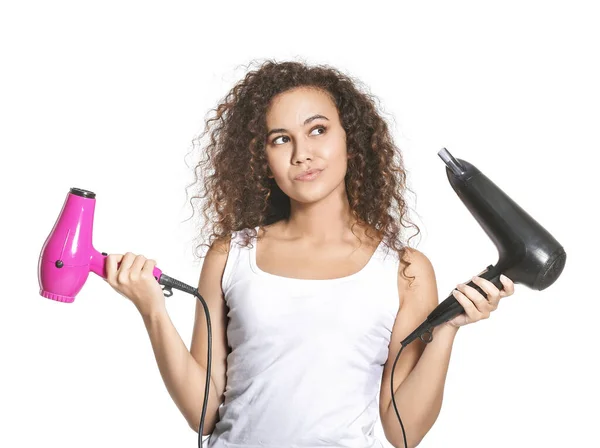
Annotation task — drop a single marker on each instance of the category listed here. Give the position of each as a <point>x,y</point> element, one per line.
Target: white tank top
<point>306,356</point>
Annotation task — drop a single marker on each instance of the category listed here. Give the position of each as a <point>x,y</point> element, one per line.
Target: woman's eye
<point>317,128</point>
<point>281,136</point>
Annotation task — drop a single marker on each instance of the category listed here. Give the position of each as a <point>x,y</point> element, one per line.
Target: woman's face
<point>304,132</point>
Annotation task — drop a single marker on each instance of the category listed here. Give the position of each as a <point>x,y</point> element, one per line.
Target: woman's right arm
<point>183,371</point>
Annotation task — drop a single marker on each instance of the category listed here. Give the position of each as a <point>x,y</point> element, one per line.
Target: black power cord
<point>170,283</point>
<point>426,337</point>
<point>394,400</point>
<point>208,362</point>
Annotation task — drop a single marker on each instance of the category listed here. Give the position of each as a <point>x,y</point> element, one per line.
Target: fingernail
<point>503,277</point>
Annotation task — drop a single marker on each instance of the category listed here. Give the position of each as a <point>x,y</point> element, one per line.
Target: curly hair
<point>235,172</point>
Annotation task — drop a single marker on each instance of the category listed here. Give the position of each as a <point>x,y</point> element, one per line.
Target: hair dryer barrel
<point>528,253</point>
<point>68,256</point>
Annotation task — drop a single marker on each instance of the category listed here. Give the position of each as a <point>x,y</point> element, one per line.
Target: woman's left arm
<point>420,372</point>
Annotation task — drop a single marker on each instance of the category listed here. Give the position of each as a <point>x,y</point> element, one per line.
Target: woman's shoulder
<point>220,245</point>
<point>415,268</point>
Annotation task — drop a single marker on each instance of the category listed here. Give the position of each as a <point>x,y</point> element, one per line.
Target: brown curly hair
<point>235,172</point>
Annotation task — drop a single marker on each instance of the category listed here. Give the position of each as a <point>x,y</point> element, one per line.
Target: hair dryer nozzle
<point>451,162</point>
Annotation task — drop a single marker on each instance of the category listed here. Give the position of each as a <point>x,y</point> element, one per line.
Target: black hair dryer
<point>528,254</point>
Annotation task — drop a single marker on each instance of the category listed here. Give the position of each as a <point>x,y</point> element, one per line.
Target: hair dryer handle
<point>98,265</point>
<point>451,307</point>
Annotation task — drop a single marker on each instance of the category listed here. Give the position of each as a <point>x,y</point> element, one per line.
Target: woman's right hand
<point>132,277</point>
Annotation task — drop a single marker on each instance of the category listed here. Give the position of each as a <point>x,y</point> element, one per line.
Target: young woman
<point>309,283</point>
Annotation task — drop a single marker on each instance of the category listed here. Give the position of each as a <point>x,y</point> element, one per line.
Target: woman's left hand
<point>476,306</point>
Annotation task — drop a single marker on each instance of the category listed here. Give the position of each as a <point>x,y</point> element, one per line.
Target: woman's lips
<point>313,174</point>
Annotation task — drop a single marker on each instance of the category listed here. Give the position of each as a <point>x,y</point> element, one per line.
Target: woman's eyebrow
<point>308,120</point>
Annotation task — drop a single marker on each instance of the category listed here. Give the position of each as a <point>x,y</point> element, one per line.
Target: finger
<point>509,286</point>
<point>470,309</point>
<point>126,263</point>
<point>480,302</point>
<point>136,267</point>
<point>111,263</point>
<point>492,292</point>
<point>148,269</point>
<point>482,272</point>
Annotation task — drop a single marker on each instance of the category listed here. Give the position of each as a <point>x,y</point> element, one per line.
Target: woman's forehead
<point>294,106</point>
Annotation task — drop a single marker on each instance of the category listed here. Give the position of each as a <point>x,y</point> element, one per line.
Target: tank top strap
<point>238,260</point>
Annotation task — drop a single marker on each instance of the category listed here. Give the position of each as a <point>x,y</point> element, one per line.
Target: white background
<point>108,96</point>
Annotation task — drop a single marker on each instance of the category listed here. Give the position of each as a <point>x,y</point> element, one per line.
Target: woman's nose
<point>303,150</point>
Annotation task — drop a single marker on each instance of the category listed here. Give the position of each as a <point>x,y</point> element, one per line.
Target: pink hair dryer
<point>68,256</point>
